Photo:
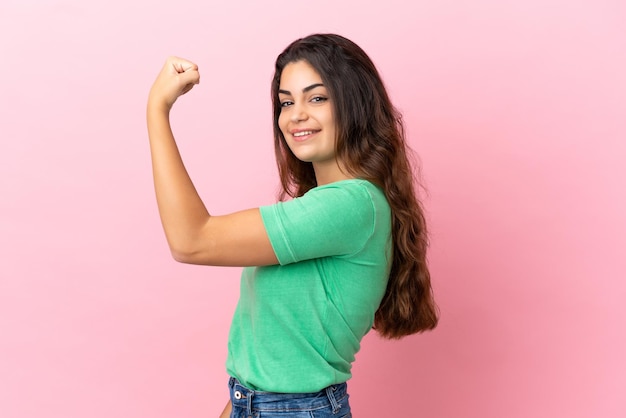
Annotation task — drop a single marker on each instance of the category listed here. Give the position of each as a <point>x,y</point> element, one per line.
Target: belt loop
<point>249,409</point>
<point>331,397</point>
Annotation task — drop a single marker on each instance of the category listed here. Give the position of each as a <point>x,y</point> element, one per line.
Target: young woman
<point>344,250</point>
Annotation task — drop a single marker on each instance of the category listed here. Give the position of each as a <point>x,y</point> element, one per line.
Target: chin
<point>305,158</point>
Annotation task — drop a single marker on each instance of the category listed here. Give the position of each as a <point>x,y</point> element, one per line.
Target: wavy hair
<point>371,144</point>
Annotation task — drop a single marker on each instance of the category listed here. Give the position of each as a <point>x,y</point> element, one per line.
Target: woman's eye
<point>285,104</point>
<point>318,99</point>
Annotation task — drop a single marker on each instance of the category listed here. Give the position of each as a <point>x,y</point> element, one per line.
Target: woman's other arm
<point>193,235</point>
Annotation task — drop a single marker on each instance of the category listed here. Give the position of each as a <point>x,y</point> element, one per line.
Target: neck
<point>330,172</point>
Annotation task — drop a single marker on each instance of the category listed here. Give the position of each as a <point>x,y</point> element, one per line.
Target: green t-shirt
<point>299,324</point>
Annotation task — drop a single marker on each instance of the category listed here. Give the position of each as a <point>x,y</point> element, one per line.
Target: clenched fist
<point>176,78</point>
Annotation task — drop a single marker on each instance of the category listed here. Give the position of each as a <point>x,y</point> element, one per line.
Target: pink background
<point>516,108</point>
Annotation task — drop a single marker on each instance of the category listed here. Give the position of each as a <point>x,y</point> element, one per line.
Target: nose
<point>298,113</point>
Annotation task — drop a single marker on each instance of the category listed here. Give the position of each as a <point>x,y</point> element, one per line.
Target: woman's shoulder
<point>353,196</point>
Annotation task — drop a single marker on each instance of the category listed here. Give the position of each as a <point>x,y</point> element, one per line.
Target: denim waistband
<point>254,400</point>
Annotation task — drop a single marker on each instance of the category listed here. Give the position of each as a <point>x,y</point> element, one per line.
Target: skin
<point>227,410</point>
<point>238,239</point>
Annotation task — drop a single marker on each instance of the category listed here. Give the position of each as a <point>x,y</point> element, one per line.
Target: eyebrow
<point>304,90</point>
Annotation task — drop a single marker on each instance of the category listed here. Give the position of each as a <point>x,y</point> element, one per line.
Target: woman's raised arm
<point>193,235</point>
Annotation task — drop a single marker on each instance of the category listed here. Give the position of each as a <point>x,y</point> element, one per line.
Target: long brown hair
<point>371,144</point>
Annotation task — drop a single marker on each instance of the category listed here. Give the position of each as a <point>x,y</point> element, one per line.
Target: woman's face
<point>306,118</point>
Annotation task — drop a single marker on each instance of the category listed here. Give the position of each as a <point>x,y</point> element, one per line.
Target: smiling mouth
<point>303,133</point>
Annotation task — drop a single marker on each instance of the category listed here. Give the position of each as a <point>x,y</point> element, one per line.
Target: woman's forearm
<point>182,212</point>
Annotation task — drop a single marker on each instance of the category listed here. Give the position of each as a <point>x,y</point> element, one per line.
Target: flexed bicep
<point>237,239</point>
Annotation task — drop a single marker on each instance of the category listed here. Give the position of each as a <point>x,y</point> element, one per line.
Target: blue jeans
<point>331,402</point>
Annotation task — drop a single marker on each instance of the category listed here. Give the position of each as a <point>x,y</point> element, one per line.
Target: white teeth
<point>303,133</point>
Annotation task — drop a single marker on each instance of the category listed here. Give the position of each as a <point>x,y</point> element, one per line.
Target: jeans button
<point>237,394</point>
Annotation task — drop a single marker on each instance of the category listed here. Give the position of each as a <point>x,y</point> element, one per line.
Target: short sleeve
<point>331,220</point>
